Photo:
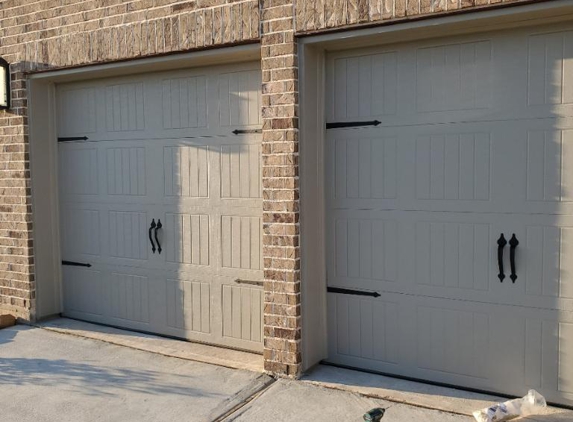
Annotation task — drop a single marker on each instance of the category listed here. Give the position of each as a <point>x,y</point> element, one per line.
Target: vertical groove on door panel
<point>190,238</point>
<point>242,312</point>
<point>188,305</point>
<point>126,171</point>
<point>186,171</point>
<point>549,69</point>
<point>124,105</point>
<point>237,235</point>
<point>124,234</point>
<point>128,297</point>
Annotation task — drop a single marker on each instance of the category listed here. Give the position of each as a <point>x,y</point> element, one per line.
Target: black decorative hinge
<point>250,282</point>
<point>338,125</point>
<point>246,131</point>
<point>76,264</point>
<point>352,292</point>
<point>73,139</point>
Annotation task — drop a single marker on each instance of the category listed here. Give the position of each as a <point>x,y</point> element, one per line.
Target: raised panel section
<point>124,107</point>
<point>366,249</point>
<point>127,233</point>
<point>186,170</point>
<point>549,268</point>
<point>81,231</point>
<point>128,297</point>
<point>78,171</point>
<point>550,69</point>
<point>453,255</point>
<point>240,98</point>
<point>77,111</point>
<point>453,341</point>
<point>365,86</point>
<point>241,171</point>
<point>366,329</point>
<point>365,168</point>
<point>241,242</point>
<point>184,102</point>
<point>126,171</point>
<point>454,77</point>
<point>83,291</point>
<point>187,238</point>
<point>242,313</point>
<point>565,380</point>
<point>455,166</point>
<point>189,305</point>
<point>549,175</point>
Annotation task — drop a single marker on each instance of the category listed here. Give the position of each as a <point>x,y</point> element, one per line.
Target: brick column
<point>17,287</point>
<point>281,250</point>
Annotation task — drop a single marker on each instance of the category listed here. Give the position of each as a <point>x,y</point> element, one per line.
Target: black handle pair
<point>501,242</point>
<point>151,228</point>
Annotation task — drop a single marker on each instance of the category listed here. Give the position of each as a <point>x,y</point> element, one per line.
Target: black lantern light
<point>4,84</point>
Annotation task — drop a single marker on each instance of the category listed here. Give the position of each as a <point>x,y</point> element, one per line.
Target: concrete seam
<point>255,395</point>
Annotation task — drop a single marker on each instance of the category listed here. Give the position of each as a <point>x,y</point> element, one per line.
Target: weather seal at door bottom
<point>352,292</point>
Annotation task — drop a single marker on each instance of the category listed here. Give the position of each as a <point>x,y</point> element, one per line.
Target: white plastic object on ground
<point>510,409</point>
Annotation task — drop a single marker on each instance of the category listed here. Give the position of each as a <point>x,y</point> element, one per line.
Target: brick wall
<point>50,34</point>
<point>281,228</point>
<point>316,15</point>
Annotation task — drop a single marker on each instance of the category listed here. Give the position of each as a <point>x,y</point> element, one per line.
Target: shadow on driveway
<point>95,380</point>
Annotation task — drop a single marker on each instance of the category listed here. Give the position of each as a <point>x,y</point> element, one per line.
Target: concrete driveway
<point>46,376</point>
<point>50,376</point>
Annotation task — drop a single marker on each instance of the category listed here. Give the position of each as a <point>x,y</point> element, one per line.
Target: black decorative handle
<point>159,225</point>
<point>153,225</point>
<point>501,242</point>
<point>513,242</point>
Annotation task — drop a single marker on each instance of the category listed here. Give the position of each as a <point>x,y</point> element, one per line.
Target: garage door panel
<point>451,255</point>
<point>184,101</point>
<point>550,79</point>
<point>77,110</point>
<point>364,86</point>
<point>483,77</point>
<point>127,297</point>
<point>186,171</point>
<point>83,290</point>
<point>189,305</point>
<point>187,238</point>
<point>515,167</point>
<point>241,171</point>
<point>477,145</point>
<point>126,235</point>
<point>453,77</point>
<point>242,312</point>
<point>81,232</point>
<point>161,148</point>
<point>239,98</point>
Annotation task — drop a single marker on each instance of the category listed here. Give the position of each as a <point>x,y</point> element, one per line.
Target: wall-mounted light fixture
<point>4,84</point>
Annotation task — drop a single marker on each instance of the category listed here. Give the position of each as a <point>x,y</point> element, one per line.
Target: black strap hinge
<point>338,125</point>
<point>73,139</point>
<point>352,292</point>
<point>245,131</point>
<point>76,264</point>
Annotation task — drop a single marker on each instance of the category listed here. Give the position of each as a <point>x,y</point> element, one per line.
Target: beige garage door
<point>438,154</point>
<point>160,203</point>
